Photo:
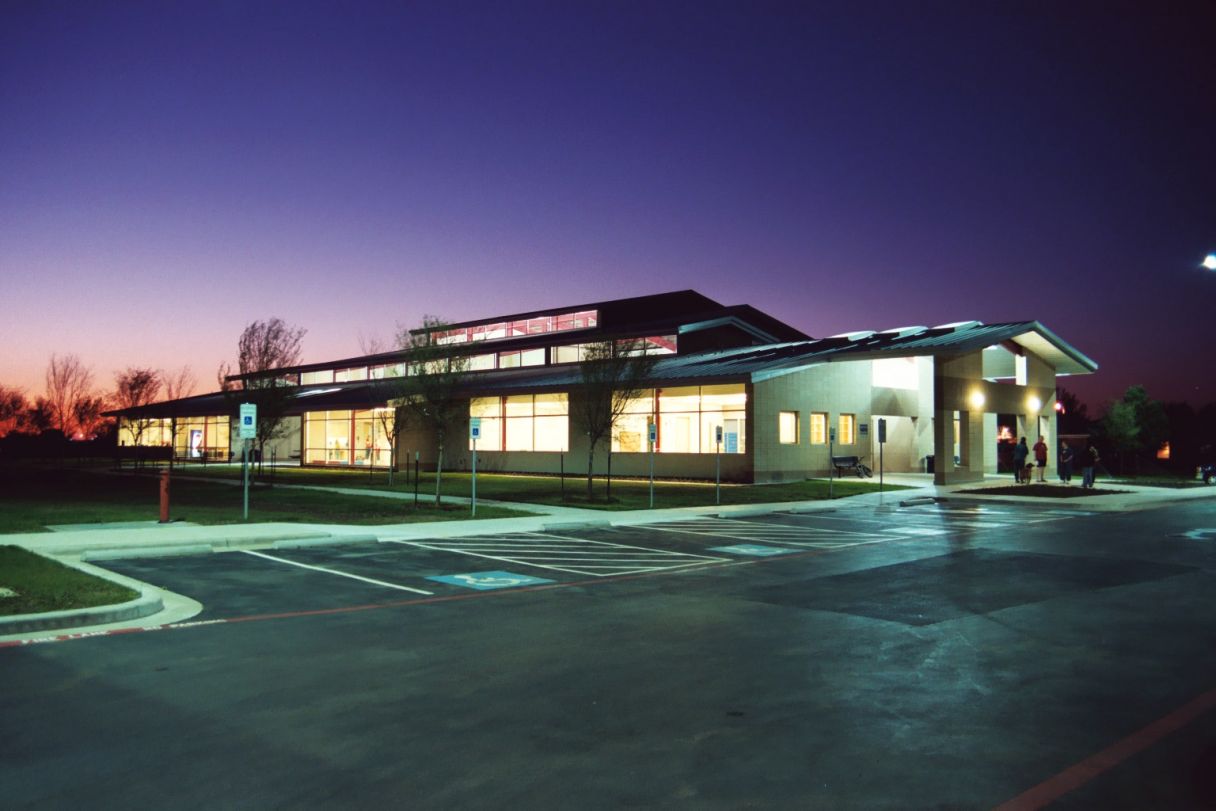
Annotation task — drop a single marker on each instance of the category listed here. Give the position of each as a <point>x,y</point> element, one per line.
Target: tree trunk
<point>392,458</point>
<point>590,474</point>
<point>438,475</point>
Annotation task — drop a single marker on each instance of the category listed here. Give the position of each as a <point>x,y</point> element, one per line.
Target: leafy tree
<point>1074,416</point>
<point>14,411</point>
<point>612,374</point>
<point>69,385</point>
<point>263,347</point>
<point>429,391</point>
<point>1118,427</point>
<point>135,388</point>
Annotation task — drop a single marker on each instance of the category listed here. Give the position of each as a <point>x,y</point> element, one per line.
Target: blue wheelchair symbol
<point>485,581</point>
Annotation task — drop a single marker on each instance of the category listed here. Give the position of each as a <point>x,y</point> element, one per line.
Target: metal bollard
<point>164,496</point>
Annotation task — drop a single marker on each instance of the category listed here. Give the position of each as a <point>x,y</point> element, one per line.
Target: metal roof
<point>744,364</point>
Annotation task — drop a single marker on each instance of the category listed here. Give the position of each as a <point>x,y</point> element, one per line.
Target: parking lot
<point>933,656</point>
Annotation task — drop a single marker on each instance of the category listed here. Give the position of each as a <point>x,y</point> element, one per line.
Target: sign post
<point>831,465</point>
<point>652,431</point>
<point>717,464</point>
<point>248,431</point>
<point>475,434</point>
<point>882,440</point>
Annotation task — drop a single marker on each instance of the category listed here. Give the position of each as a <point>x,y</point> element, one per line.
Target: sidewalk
<point>76,547</point>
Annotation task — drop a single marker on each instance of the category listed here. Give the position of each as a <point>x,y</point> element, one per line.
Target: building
<point>732,389</point>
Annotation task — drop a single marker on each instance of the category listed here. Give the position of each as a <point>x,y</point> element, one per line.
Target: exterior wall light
<point>1034,403</point>
<point>977,399</point>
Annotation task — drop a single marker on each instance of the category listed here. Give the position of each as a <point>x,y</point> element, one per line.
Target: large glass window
<point>688,417</point>
<point>536,325</point>
<point>323,376</point>
<point>347,375</point>
<point>327,438</point>
<point>202,438</point>
<point>525,422</point>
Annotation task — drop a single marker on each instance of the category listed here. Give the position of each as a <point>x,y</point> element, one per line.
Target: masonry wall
<point>834,388</point>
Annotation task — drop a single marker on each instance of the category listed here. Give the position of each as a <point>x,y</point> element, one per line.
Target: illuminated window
<point>688,420</point>
<point>347,375</point>
<point>323,376</point>
<point>819,428</point>
<point>387,370</point>
<point>526,422</point>
<point>480,363</point>
<point>787,427</point>
<point>536,325</point>
<point>848,429</point>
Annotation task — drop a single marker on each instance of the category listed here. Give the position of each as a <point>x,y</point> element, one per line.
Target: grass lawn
<point>627,494</point>
<point>33,497</point>
<point>38,584</point>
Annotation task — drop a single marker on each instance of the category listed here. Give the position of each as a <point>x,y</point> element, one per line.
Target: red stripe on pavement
<point>446,598</point>
<point>1081,773</point>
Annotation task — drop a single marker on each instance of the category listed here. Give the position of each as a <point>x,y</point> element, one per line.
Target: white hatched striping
<point>807,536</point>
<point>565,554</point>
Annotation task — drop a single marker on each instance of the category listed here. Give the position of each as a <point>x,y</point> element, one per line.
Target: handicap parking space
<point>321,578</point>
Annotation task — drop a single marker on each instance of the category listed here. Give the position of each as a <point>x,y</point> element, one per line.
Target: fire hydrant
<point>164,496</point>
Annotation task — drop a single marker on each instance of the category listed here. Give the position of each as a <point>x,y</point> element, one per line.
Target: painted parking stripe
<point>803,536</point>
<point>565,554</point>
<point>335,572</point>
<point>752,549</point>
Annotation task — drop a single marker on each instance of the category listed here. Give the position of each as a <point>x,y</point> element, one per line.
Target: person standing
<point>1020,452</point>
<point>1040,457</point>
<point>1065,463</point>
<point>1089,460</point>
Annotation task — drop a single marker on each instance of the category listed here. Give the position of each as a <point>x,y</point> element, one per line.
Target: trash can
<point>929,463</point>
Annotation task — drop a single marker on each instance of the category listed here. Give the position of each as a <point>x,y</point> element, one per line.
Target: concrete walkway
<point>75,547</point>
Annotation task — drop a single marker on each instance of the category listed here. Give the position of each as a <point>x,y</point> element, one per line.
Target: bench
<point>850,464</point>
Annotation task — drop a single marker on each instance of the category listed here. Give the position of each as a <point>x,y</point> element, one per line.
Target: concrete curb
<point>125,552</point>
<point>332,540</point>
<point>569,526</point>
<point>147,603</point>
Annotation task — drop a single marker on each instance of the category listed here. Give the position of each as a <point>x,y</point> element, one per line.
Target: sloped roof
<point>750,363</point>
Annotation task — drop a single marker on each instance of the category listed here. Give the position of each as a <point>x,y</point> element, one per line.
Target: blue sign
<point>732,442</point>
<point>485,581</point>
<point>753,549</point>
<point>475,428</point>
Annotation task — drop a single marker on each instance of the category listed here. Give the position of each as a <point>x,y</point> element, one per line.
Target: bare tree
<point>263,347</point>
<point>14,410</point>
<point>372,344</point>
<point>133,389</point>
<point>68,383</point>
<point>613,373</point>
<point>393,419</point>
<point>430,389</point>
<point>178,385</point>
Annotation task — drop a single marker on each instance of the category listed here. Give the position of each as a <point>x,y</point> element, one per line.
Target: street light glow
<point>1209,261</point>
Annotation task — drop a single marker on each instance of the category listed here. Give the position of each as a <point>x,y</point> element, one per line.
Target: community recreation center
<point>732,389</point>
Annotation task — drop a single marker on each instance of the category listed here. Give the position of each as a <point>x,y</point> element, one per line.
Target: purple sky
<point>171,171</point>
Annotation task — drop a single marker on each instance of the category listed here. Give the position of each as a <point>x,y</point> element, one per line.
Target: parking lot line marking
<point>335,572</point>
<point>566,554</point>
<point>414,601</point>
<point>1081,773</point>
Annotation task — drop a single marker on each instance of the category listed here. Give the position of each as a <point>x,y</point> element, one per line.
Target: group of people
<point>1023,470</point>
